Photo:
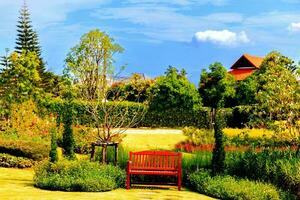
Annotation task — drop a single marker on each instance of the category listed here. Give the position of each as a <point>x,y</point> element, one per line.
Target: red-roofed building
<point>245,66</point>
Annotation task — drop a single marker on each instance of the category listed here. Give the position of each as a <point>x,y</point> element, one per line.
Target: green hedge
<point>78,176</point>
<point>28,149</point>
<point>176,117</point>
<point>7,160</point>
<point>229,188</point>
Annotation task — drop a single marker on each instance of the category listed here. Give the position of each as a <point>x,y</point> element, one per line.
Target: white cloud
<point>223,37</point>
<point>294,27</point>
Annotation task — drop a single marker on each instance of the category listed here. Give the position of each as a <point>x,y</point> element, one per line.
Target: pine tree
<point>26,38</point>
<point>28,41</point>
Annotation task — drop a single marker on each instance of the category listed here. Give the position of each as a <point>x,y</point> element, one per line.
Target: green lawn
<point>140,139</point>
<point>17,184</point>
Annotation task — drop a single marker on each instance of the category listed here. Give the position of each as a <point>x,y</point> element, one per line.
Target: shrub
<point>7,160</point>
<point>229,188</point>
<point>25,123</point>
<point>198,136</point>
<point>78,176</point>
<point>53,151</point>
<point>281,168</point>
<point>28,149</point>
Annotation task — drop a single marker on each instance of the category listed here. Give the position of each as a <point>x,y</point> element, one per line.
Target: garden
<point>238,139</point>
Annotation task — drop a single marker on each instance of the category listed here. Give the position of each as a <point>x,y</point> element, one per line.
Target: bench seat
<point>166,163</point>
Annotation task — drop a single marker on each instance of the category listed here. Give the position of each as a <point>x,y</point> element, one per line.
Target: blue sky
<point>188,34</point>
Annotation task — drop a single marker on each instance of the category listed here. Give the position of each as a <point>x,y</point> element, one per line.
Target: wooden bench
<point>154,163</point>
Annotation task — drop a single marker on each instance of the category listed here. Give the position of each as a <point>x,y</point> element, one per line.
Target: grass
<point>18,184</point>
<point>142,141</point>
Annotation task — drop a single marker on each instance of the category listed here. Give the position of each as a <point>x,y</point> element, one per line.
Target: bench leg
<point>128,182</point>
<point>179,183</point>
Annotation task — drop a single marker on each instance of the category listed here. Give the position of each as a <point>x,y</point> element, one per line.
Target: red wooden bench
<point>154,163</point>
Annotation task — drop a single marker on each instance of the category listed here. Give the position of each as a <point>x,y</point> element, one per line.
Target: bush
<point>227,187</point>
<point>78,176</point>
<point>7,160</point>
<point>281,168</point>
<point>28,149</point>
<point>198,136</point>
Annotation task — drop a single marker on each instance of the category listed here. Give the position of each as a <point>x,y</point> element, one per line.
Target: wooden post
<point>116,153</point>
<point>104,153</point>
<point>93,153</point>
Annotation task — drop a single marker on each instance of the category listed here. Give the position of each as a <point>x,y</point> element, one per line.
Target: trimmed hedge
<point>28,149</point>
<point>229,188</point>
<point>175,117</point>
<point>78,176</point>
<point>9,161</point>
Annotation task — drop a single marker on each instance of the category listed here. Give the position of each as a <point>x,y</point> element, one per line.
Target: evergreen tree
<point>4,61</point>
<point>68,138</point>
<point>218,159</point>
<point>26,38</point>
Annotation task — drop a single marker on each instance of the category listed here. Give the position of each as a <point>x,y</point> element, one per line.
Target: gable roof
<point>252,61</point>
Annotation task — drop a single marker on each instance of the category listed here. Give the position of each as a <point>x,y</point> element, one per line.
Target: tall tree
<point>27,38</point>
<point>90,63</point>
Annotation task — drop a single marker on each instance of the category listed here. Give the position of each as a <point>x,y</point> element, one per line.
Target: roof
<point>241,74</point>
<point>247,60</point>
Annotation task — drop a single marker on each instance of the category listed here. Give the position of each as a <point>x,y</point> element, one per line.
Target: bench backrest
<point>155,160</point>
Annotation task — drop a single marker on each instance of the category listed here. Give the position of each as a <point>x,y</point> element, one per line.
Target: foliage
<point>198,136</point>
<point>227,187</point>
<point>78,176</point>
<point>136,89</point>
<point>7,160</point>
<point>173,91</point>
<point>53,151</point>
<point>176,117</point>
<point>246,91</point>
<point>90,63</point>
<point>276,166</point>
<point>218,160</point>
<point>216,86</point>
<point>25,123</point>
<point>28,149</point>
<point>278,94</point>
<point>20,81</point>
